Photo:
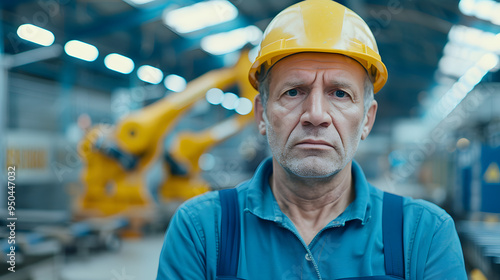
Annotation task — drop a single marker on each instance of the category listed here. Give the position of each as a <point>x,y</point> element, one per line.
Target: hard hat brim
<point>375,69</point>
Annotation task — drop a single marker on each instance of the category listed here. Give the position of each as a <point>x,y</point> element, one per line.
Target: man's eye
<point>340,93</point>
<point>292,92</point>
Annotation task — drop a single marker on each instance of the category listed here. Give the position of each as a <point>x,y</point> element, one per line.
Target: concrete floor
<point>136,260</point>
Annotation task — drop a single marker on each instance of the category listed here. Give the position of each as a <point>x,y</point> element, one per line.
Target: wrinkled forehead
<point>322,58</point>
<point>311,62</point>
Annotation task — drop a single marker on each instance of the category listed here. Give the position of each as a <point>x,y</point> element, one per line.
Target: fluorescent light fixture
<point>230,101</point>
<point>466,7</point>
<point>465,47</point>
<point>483,9</point>
<point>496,19</point>
<point>215,96</point>
<point>150,74</point>
<point>496,42</point>
<point>462,51</point>
<point>119,63</point>
<point>139,2</point>
<point>454,66</point>
<point>474,37</point>
<point>231,41</point>
<point>473,76</point>
<point>175,83</point>
<point>81,50</point>
<point>488,61</point>
<point>200,15</point>
<point>450,100</point>
<point>244,106</point>
<point>35,34</point>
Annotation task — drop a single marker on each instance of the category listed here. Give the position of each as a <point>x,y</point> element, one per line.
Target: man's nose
<point>315,109</point>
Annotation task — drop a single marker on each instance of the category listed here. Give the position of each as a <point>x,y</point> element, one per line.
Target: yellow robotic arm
<point>187,149</point>
<point>117,158</point>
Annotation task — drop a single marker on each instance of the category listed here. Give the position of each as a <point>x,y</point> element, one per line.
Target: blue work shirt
<point>272,248</point>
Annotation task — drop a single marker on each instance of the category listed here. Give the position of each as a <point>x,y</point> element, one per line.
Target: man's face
<point>315,117</point>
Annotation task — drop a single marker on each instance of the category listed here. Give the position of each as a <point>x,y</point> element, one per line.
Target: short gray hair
<point>265,80</point>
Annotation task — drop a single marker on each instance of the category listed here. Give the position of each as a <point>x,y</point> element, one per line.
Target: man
<point>308,212</point>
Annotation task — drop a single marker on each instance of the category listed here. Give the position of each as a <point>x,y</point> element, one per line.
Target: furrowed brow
<point>341,84</point>
<point>289,84</point>
<point>292,84</point>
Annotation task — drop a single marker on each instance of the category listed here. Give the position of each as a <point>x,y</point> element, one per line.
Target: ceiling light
<point>139,2</point>
<point>454,66</point>
<point>175,83</point>
<point>81,50</point>
<point>473,76</point>
<point>215,96</point>
<point>244,106</point>
<point>474,37</point>
<point>231,41</point>
<point>230,101</point>
<point>450,100</point>
<point>496,20</point>
<point>488,61</point>
<point>482,9</point>
<point>496,42</point>
<point>119,63</point>
<point>150,74</point>
<point>466,47</point>
<point>200,15</point>
<point>35,34</point>
<point>463,52</point>
<point>466,7</point>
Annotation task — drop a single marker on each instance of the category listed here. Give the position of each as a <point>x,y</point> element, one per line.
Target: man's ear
<point>369,119</point>
<point>259,115</point>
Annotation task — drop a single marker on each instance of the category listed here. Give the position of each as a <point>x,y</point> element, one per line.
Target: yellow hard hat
<point>319,26</point>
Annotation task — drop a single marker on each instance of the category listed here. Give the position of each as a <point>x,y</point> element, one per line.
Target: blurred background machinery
<point>114,112</point>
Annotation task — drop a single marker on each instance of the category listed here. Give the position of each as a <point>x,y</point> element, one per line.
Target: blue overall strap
<point>392,230</point>
<point>229,245</point>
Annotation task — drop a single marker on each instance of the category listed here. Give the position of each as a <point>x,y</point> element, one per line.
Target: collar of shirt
<point>261,201</point>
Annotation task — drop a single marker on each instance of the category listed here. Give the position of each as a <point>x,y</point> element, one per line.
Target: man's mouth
<point>314,144</point>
